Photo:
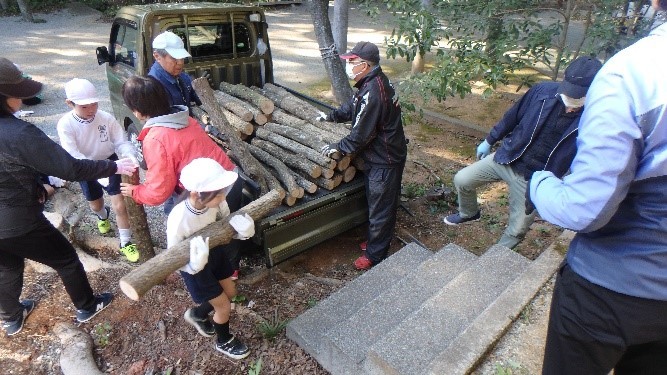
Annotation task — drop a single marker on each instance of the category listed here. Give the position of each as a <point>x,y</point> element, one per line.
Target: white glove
<point>104,181</point>
<point>126,166</point>
<point>244,226</point>
<point>56,182</point>
<point>198,255</point>
<point>329,150</point>
<point>321,117</point>
<point>22,113</point>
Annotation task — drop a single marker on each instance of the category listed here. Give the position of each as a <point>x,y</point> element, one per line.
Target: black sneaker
<point>13,327</point>
<point>101,302</point>
<point>456,219</point>
<point>203,326</point>
<point>233,348</point>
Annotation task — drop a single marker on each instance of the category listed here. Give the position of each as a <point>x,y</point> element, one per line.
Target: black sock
<point>222,330</point>
<point>203,310</point>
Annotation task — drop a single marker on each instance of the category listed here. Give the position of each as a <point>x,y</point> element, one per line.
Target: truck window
<point>124,44</point>
<point>216,40</point>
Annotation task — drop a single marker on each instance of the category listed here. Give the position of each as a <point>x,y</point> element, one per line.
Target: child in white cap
<point>89,133</point>
<point>208,275</point>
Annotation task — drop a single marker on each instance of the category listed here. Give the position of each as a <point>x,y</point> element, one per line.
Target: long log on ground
<point>300,136</point>
<point>233,105</point>
<point>296,147</point>
<point>349,173</point>
<point>140,280</point>
<point>284,118</point>
<point>264,104</point>
<point>307,185</point>
<point>283,172</point>
<point>76,355</point>
<point>290,159</point>
<point>238,148</point>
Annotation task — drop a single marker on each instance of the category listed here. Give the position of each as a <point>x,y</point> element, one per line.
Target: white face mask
<point>349,72</point>
<point>572,103</point>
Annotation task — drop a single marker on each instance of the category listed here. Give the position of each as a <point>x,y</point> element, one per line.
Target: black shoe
<point>13,327</point>
<point>101,302</point>
<point>456,219</point>
<point>203,326</point>
<point>233,348</point>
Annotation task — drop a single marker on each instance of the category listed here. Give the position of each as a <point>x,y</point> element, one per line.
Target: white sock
<point>125,236</point>
<point>102,214</point>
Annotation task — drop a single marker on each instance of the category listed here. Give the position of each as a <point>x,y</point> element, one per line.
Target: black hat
<point>365,51</point>
<point>578,77</point>
<point>13,84</point>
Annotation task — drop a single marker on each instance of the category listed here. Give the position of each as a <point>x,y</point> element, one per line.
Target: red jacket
<point>169,143</point>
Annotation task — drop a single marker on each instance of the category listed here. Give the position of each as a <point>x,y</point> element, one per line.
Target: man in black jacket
<point>376,137</point>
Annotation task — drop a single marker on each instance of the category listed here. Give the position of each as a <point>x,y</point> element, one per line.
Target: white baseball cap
<point>81,91</point>
<point>204,174</point>
<point>171,43</point>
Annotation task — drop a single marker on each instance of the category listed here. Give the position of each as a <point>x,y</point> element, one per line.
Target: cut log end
<point>129,290</point>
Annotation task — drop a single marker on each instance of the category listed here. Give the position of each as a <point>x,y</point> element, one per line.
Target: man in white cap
<point>169,53</point>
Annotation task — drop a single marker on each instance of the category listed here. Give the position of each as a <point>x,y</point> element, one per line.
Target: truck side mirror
<point>102,55</point>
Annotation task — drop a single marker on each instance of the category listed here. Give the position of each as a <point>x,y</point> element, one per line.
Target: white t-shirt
<point>184,220</point>
<point>95,139</point>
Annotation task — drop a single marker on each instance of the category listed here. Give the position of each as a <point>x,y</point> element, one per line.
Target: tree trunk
<point>4,4</point>
<point>141,234</point>
<point>76,355</point>
<point>418,63</point>
<point>319,11</point>
<point>340,17</point>
<point>300,136</point>
<point>24,6</point>
<point>263,103</point>
<point>283,173</point>
<point>140,280</point>
<point>290,159</point>
<point>238,148</point>
<point>296,147</point>
<point>233,105</point>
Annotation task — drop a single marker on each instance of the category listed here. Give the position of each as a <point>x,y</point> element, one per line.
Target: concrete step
<point>345,345</point>
<point>412,346</point>
<point>308,328</point>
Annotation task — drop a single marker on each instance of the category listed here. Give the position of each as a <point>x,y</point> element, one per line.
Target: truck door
<point>124,61</point>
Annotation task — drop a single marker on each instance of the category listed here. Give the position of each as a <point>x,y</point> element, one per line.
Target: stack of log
<point>284,151</point>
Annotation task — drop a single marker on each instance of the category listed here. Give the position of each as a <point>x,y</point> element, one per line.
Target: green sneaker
<point>130,251</point>
<point>103,225</point>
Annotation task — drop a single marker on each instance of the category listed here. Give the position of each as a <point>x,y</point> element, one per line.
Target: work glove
<point>198,255</point>
<point>126,166</point>
<point>243,225</point>
<point>483,150</point>
<point>322,117</point>
<point>56,182</point>
<point>328,150</point>
<point>104,181</point>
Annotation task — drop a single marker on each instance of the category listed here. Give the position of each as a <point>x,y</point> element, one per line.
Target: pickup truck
<point>229,43</point>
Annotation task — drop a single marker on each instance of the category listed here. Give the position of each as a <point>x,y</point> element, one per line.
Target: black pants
<point>383,191</point>
<point>593,330</point>
<point>48,246</point>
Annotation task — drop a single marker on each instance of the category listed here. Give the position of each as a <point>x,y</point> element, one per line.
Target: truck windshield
<point>216,40</point>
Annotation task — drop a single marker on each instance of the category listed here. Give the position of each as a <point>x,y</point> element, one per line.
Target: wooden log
<point>328,173</point>
<point>238,148</point>
<point>264,104</point>
<point>283,173</point>
<point>343,163</point>
<point>258,116</point>
<point>140,280</point>
<point>326,135</point>
<point>337,179</point>
<point>141,234</point>
<point>244,127</point>
<point>233,105</point>
<point>296,147</point>
<point>324,183</point>
<point>300,136</point>
<point>307,185</point>
<point>359,163</point>
<point>290,159</point>
<point>289,200</point>
<point>76,355</point>
<point>349,173</point>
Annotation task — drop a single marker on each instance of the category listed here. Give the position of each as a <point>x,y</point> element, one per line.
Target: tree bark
<point>290,159</point>
<point>296,147</point>
<point>243,127</point>
<point>141,234</point>
<point>329,136</point>
<point>264,104</point>
<point>283,173</point>
<point>340,17</point>
<point>238,148</point>
<point>233,105</point>
<point>300,136</point>
<point>319,11</point>
<point>140,280</point>
<point>307,185</point>
<point>76,355</point>
<point>24,6</point>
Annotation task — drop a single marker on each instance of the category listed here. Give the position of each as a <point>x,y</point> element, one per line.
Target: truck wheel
<point>132,134</point>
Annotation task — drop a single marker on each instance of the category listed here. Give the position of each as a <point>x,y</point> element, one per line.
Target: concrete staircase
<point>420,312</point>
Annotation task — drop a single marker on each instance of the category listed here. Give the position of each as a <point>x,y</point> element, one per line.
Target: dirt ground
<point>150,336</point>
